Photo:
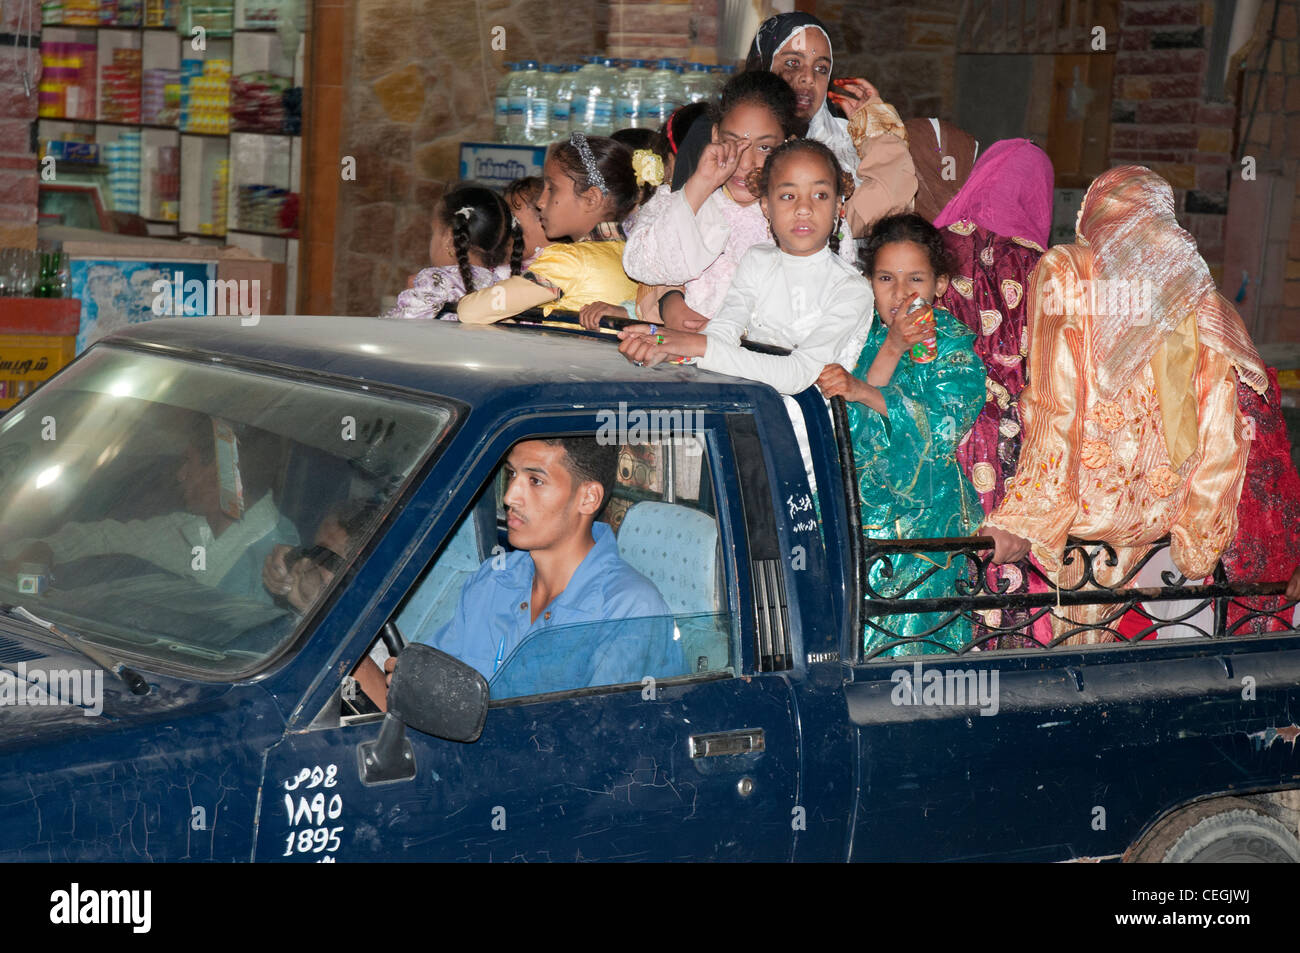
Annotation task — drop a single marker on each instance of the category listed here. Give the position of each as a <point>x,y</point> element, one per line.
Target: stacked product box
<point>257,102</point>
<point>215,16</point>
<point>71,13</point>
<point>120,94</point>
<point>67,88</point>
<point>123,159</point>
<point>72,151</point>
<point>205,96</point>
<point>160,12</point>
<point>220,185</point>
<point>120,12</point>
<point>167,184</point>
<point>266,208</point>
<point>261,15</point>
<point>161,99</point>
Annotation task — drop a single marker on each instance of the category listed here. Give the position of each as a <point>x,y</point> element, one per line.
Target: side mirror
<point>437,694</point>
<point>434,694</point>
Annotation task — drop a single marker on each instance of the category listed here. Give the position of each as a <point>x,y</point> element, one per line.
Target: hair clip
<point>579,142</point>
<point>465,211</point>
<point>649,168</point>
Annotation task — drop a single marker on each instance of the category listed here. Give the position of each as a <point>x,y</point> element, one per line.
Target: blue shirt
<point>609,626</point>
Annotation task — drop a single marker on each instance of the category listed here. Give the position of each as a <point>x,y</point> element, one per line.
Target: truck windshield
<point>193,513</point>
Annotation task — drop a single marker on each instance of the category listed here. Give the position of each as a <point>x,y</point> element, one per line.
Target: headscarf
<point>1160,302</point>
<point>1009,192</point>
<point>932,142</point>
<point>774,33</point>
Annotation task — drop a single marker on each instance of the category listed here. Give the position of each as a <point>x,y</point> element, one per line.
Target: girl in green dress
<point>912,398</point>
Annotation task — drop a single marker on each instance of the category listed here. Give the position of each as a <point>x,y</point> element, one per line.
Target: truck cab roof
<point>470,363</point>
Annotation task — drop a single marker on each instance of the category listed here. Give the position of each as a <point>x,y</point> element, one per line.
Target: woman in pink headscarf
<point>995,229</point>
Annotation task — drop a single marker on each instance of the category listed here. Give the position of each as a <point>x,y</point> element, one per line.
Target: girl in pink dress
<point>694,238</point>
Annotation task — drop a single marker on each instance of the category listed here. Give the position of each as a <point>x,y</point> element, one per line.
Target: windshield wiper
<point>133,679</point>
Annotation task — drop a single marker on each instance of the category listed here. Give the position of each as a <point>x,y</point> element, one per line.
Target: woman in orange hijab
<point>1131,424</point>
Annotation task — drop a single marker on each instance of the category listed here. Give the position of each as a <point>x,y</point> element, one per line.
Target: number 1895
<point>312,841</point>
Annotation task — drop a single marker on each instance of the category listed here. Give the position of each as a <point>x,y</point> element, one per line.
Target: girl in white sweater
<point>797,293</point>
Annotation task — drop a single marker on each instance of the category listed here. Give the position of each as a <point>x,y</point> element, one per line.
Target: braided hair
<point>479,221</point>
<point>761,179</point>
<point>528,190</point>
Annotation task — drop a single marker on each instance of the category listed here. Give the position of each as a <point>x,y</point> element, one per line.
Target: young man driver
<point>565,570</point>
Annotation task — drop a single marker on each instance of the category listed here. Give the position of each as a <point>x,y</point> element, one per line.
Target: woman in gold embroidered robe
<point>1131,426</point>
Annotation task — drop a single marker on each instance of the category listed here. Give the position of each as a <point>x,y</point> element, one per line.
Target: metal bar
<point>762,605</point>
<point>669,451</point>
<point>1065,597</point>
<point>780,615</point>
<point>848,477</point>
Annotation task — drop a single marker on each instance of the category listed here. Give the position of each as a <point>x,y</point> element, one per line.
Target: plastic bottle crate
<point>38,336</point>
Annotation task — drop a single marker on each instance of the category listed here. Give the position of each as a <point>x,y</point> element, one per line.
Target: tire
<point>1233,837</point>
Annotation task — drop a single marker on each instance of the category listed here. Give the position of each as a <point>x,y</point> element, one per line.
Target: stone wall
<point>1274,136</point>
<point>18,173</point>
<point>1160,118</point>
<point>421,77</point>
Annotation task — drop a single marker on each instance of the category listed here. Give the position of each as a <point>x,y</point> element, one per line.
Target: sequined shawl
<point>1153,300</point>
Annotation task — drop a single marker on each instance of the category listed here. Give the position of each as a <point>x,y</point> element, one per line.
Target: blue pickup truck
<point>160,699</point>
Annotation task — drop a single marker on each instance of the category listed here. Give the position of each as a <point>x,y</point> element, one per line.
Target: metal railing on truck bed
<point>1124,613</point>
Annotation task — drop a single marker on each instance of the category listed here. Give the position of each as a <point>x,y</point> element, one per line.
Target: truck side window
<point>658,522</point>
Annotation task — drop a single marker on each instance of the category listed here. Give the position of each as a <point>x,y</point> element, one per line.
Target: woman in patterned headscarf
<point>1131,425</point>
<point>995,229</point>
<point>871,143</point>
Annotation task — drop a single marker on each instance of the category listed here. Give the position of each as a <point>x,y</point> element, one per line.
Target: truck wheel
<point>1222,829</point>
<point>1235,837</point>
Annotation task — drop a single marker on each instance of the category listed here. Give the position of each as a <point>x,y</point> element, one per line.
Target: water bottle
<point>501,104</point>
<point>632,106</point>
<point>539,109</point>
<point>697,84</point>
<point>582,106</point>
<point>522,93</point>
<point>593,99</point>
<point>559,98</point>
<point>561,102</point>
<point>662,94</point>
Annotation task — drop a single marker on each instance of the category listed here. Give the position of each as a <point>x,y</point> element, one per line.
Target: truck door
<point>699,764</point>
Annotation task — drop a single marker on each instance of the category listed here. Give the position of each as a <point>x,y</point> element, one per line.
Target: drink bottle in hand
<point>925,351</point>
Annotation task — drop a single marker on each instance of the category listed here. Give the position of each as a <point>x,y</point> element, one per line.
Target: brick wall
<point>907,48</point>
<point>1274,137</point>
<point>18,171</point>
<point>1160,118</point>
<point>648,29</point>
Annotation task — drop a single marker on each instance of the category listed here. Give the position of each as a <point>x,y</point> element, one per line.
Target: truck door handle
<point>741,741</point>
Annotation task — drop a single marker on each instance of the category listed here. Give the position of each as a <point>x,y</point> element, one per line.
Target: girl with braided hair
<point>472,232</point>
